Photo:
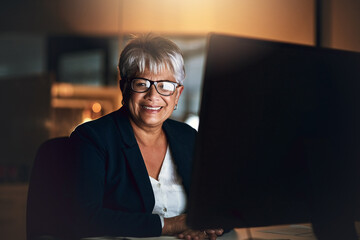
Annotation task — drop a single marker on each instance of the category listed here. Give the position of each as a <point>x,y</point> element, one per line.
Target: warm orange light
<point>86,120</point>
<point>86,115</point>
<point>283,20</point>
<point>96,107</point>
<point>62,90</point>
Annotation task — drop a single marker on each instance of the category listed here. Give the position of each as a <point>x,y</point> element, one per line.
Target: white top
<point>170,197</point>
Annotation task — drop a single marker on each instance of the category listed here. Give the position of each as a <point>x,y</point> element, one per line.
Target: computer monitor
<point>279,135</point>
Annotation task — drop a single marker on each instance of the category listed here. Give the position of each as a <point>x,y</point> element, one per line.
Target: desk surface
<point>282,232</point>
<point>286,232</point>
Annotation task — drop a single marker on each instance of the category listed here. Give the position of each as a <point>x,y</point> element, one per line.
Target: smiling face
<point>150,109</point>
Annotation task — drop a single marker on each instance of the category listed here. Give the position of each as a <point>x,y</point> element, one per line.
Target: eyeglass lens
<point>163,87</point>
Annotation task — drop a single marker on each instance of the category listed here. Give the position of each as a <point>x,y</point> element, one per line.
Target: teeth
<point>152,108</point>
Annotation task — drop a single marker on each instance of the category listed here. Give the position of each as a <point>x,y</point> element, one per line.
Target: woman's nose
<point>152,92</point>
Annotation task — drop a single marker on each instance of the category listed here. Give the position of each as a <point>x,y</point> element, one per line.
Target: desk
<point>286,232</point>
<point>281,232</point>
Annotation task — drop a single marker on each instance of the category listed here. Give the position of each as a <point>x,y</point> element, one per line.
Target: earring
<point>175,107</point>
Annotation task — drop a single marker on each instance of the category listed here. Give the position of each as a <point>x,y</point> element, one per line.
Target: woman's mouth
<point>152,108</point>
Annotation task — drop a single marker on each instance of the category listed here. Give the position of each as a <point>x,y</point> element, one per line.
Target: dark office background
<point>58,63</point>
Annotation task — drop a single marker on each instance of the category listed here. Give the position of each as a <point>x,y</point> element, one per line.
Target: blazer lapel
<point>141,176</point>
<point>134,158</point>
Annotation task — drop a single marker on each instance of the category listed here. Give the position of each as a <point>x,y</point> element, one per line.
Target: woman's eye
<point>141,84</point>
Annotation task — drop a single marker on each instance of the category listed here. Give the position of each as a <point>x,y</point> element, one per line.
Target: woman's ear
<point>178,93</point>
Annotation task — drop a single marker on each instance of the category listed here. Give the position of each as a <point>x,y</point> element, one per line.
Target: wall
<point>277,19</point>
<point>342,24</point>
<point>288,20</point>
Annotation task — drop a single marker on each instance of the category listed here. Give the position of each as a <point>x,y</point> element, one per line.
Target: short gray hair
<point>149,52</point>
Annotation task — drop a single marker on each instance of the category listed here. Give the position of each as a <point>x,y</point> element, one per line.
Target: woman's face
<point>150,109</point>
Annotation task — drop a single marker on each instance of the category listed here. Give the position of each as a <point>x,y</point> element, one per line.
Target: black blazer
<point>113,192</point>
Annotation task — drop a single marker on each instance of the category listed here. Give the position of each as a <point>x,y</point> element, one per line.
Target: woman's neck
<point>148,136</point>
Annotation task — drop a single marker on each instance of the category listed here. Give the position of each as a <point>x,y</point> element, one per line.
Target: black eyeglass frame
<point>155,83</point>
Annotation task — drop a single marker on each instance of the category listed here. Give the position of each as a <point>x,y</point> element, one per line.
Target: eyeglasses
<point>163,87</point>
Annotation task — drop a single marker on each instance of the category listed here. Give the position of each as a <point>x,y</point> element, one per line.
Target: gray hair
<point>149,52</point>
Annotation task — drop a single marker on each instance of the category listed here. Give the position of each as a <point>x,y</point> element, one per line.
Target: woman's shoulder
<point>106,121</point>
<point>103,122</point>
<point>105,127</point>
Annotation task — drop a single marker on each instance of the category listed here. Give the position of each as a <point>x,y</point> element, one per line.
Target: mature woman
<point>133,165</point>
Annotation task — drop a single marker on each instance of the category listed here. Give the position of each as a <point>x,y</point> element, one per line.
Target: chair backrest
<point>49,195</point>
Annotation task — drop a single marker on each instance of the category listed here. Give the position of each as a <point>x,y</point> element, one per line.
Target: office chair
<point>48,214</point>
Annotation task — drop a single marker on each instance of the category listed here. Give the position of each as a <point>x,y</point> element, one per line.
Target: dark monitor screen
<point>278,138</point>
